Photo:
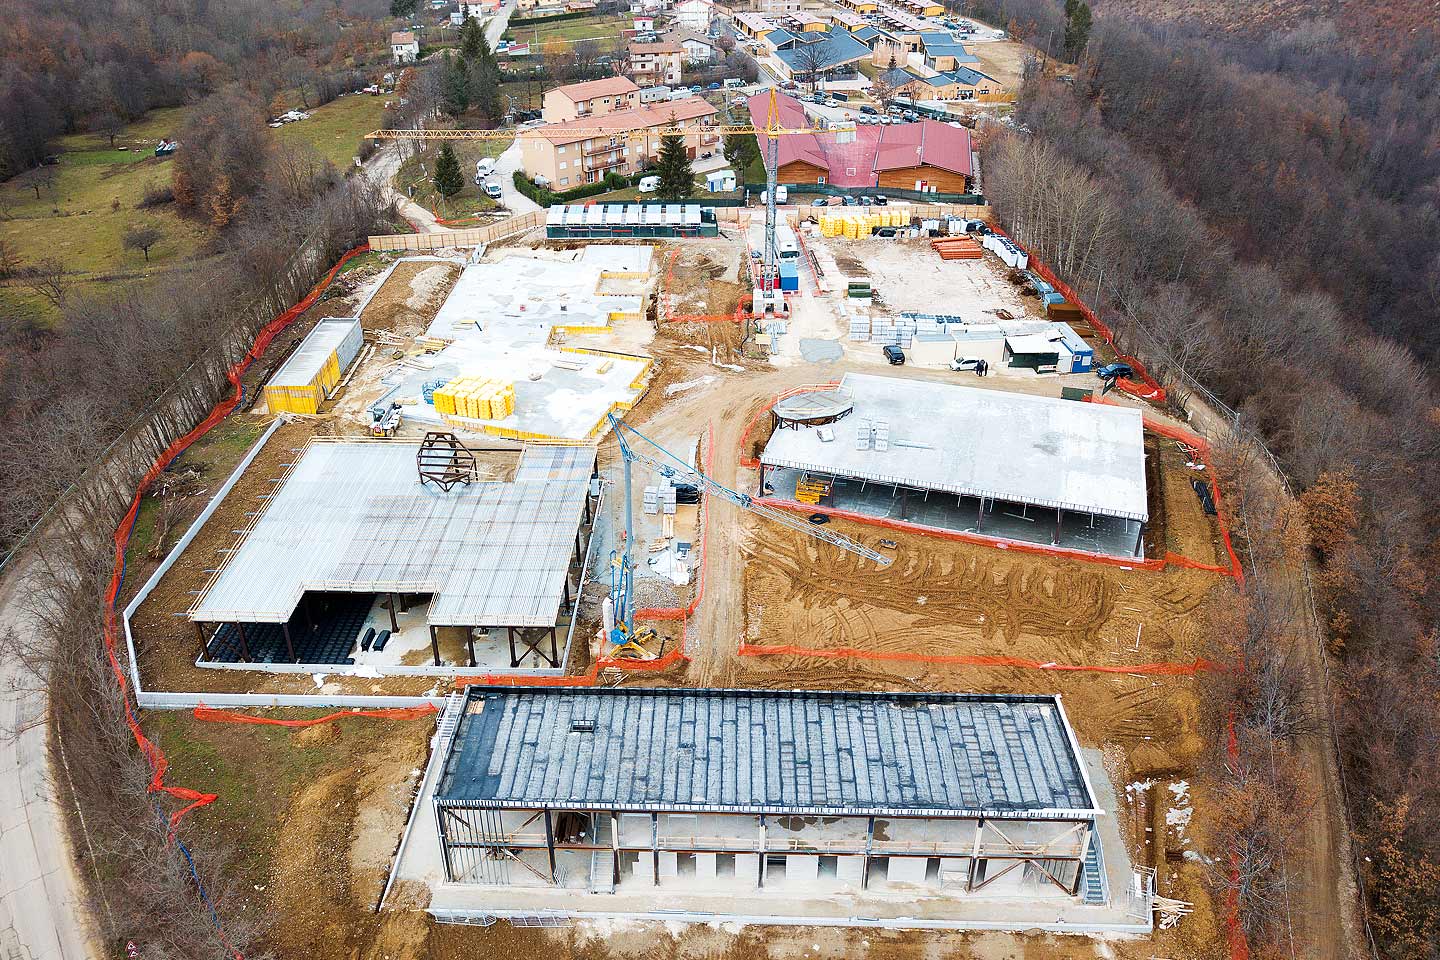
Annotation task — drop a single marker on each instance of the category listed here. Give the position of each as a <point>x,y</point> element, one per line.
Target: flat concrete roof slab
<point>353,516</point>
<point>964,440</point>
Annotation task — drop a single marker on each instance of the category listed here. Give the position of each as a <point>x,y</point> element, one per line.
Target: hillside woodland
<point>1258,213</point>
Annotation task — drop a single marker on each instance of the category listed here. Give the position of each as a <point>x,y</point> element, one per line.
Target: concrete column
<point>204,642</point>
<point>1059,516</point>
<point>550,843</point>
<point>470,642</point>
<point>655,849</point>
<point>980,517</point>
<point>434,645</point>
<point>289,645</point>
<point>869,845</point>
<point>975,855</point>
<point>1139,540</point>
<point>762,851</point>
<point>615,847</point>
<point>394,623</point>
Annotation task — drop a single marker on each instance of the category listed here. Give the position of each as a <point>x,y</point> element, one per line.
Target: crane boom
<point>680,469</point>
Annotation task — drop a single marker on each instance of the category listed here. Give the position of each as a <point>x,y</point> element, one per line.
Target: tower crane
<point>622,634</point>
<point>767,295</point>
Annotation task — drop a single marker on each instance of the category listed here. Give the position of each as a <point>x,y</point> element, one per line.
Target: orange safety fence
<point>975,660</point>
<point>1148,388</point>
<point>753,462</point>
<point>153,754</point>
<point>1201,446</point>
<point>215,715</point>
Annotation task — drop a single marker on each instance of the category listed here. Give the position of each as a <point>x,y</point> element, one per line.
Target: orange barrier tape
<point>1149,388</point>
<point>1201,446</point>
<point>152,753</point>
<point>215,715</point>
<point>975,660</point>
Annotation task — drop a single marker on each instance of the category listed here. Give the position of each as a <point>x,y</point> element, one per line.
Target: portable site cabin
<point>1059,351</point>
<point>720,181</point>
<point>629,221</point>
<point>308,378</point>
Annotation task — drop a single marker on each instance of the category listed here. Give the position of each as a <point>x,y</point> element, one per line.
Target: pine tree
<point>456,86</point>
<point>483,88</point>
<point>1077,28</point>
<point>473,47</point>
<point>677,180</point>
<point>402,8</point>
<point>448,180</point>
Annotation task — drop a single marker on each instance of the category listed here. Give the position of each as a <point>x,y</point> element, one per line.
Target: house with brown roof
<point>404,48</point>
<point>592,98</point>
<point>584,150</point>
<point>654,64</point>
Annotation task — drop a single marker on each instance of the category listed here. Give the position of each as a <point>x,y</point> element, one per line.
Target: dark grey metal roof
<point>764,751</point>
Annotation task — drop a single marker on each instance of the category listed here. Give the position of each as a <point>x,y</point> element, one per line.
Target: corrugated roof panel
<point>762,751</point>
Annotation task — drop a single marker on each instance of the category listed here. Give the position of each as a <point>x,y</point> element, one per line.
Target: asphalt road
<point>40,917</point>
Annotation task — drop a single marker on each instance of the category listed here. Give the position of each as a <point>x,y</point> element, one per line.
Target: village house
<point>589,99</point>
<point>652,64</point>
<point>585,149</point>
<point>404,48</point>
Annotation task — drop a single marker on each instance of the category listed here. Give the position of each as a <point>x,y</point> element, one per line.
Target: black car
<point>1114,371</point>
<point>869,110</point>
<point>894,354</point>
<point>880,199</point>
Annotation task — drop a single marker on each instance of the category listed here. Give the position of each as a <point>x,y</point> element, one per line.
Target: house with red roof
<point>924,155</point>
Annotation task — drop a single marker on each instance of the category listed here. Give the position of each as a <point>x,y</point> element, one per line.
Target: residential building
<point>925,155</point>
<point>921,8</point>
<point>807,23</point>
<point>754,25</point>
<point>698,47</point>
<point>580,6</point>
<point>859,6</point>
<point>943,52</point>
<point>960,83</point>
<point>478,8</point>
<point>694,14</point>
<point>649,64</point>
<point>404,48</point>
<point>815,55</point>
<point>645,24</point>
<point>583,150</point>
<point>592,98</point>
<point>850,21</point>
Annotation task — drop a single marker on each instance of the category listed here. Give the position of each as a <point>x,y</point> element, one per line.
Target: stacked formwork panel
<point>310,376</point>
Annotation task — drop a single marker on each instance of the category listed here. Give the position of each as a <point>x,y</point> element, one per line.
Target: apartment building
<point>592,98</point>
<point>583,150</point>
<point>654,64</point>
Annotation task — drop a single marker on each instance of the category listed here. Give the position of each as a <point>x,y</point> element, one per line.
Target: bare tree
<point>42,178</point>
<point>49,280</point>
<point>142,237</point>
<point>810,62</point>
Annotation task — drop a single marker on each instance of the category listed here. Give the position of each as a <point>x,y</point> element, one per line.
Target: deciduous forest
<point>1256,211</point>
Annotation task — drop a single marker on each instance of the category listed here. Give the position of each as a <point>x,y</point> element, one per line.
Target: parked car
<point>713,86</point>
<point>961,364</point>
<point>1114,371</point>
<point>493,191</point>
<point>850,201</point>
<point>881,200</point>
<point>894,354</point>
<point>866,201</point>
<point>867,109</point>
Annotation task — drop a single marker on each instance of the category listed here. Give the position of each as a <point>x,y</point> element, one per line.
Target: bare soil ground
<point>329,818</point>
<point>410,298</point>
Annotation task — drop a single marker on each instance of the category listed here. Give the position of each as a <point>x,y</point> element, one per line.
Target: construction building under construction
<point>861,801</point>
<point>368,550</point>
<point>1007,465</point>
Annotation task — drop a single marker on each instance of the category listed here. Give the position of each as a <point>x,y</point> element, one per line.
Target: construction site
<point>705,610</point>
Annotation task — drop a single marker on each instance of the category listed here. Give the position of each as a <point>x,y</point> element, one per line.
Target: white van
<point>732,82</point>
<point>484,168</point>
<point>782,195</point>
<point>648,184</point>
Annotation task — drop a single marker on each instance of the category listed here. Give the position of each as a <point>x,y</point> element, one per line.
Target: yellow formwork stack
<point>476,398</point>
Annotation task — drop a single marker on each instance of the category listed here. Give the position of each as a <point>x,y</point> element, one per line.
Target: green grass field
<point>81,217</point>
<point>335,130</point>
<point>410,179</point>
<point>604,27</point>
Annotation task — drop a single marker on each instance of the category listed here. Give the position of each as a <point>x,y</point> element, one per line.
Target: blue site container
<point>789,276</point>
